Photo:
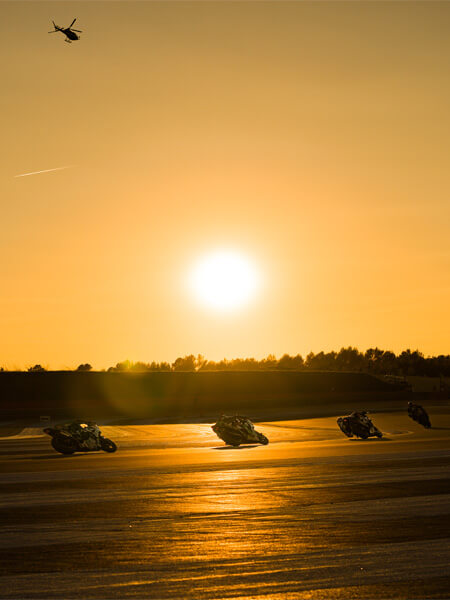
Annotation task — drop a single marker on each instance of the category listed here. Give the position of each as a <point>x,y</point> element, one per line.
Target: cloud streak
<point>44,171</point>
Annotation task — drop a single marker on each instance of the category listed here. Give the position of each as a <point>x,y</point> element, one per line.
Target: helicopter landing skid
<point>68,41</point>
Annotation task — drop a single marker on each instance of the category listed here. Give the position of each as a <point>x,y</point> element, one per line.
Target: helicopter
<point>68,32</point>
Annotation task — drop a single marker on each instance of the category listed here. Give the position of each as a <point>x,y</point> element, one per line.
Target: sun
<point>224,280</point>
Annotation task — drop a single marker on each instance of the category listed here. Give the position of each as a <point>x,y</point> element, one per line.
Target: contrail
<point>44,171</point>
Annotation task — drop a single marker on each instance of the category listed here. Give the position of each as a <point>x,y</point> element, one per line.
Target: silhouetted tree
<point>187,363</point>
<point>209,365</point>
<point>36,369</point>
<point>84,367</point>
<point>154,366</point>
<point>374,360</point>
<point>349,359</point>
<point>388,363</point>
<point>268,363</point>
<point>438,366</point>
<point>164,366</point>
<point>411,363</point>
<point>321,361</point>
<point>138,367</point>
<point>121,366</point>
<point>290,363</point>
<point>200,361</point>
<point>243,364</point>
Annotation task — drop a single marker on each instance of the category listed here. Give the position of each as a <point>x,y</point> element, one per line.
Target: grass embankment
<point>182,395</point>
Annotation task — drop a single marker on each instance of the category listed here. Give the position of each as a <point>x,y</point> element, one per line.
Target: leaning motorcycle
<point>419,414</point>
<point>67,440</point>
<point>236,430</point>
<point>358,424</point>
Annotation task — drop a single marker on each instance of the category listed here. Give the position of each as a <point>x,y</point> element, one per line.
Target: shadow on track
<point>235,447</point>
<point>57,455</point>
<point>371,439</point>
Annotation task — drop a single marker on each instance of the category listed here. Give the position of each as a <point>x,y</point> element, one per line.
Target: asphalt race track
<point>176,514</point>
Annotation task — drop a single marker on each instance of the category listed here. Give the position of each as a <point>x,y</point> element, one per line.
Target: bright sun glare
<point>224,280</point>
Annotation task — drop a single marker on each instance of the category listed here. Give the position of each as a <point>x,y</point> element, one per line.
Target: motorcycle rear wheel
<point>108,445</point>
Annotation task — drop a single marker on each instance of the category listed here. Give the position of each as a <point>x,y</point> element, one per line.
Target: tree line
<point>373,360</point>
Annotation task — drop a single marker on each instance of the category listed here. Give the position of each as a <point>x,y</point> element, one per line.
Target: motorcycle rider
<point>419,414</point>
<point>92,432</point>
<point>364,420</point>
<point>414,409</point>
<point>88,436</point>
<point>93,429</point>
<point>76,430</point>
<point>362,417</point>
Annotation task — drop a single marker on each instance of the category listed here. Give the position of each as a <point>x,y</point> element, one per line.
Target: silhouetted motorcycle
<point>358,424</point>
<point>236,430</point>
<point>419,414</point>
<point>79,437</point>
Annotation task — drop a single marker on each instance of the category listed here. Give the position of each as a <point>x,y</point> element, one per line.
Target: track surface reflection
<point>174,514</point>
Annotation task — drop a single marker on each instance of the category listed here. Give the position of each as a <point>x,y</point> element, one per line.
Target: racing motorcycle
<point>236,430</point>
<point>79,437</point>
<point>419,414</point>
<point>358,424</point>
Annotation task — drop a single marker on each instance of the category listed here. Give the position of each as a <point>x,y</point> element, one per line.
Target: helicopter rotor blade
<point>79,30</point>
<point>72,23</point>
<point>54,31</point>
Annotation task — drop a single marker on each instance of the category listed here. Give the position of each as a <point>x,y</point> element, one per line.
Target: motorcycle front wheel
<point>263,440</point>
<point>108,445</point>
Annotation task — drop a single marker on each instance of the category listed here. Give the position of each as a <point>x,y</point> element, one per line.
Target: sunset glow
<point>307,138</point>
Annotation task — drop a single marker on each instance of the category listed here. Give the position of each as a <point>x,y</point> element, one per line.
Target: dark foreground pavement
<point>173,514</point>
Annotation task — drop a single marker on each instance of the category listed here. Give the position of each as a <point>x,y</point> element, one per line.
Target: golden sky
<point>311,137</point>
